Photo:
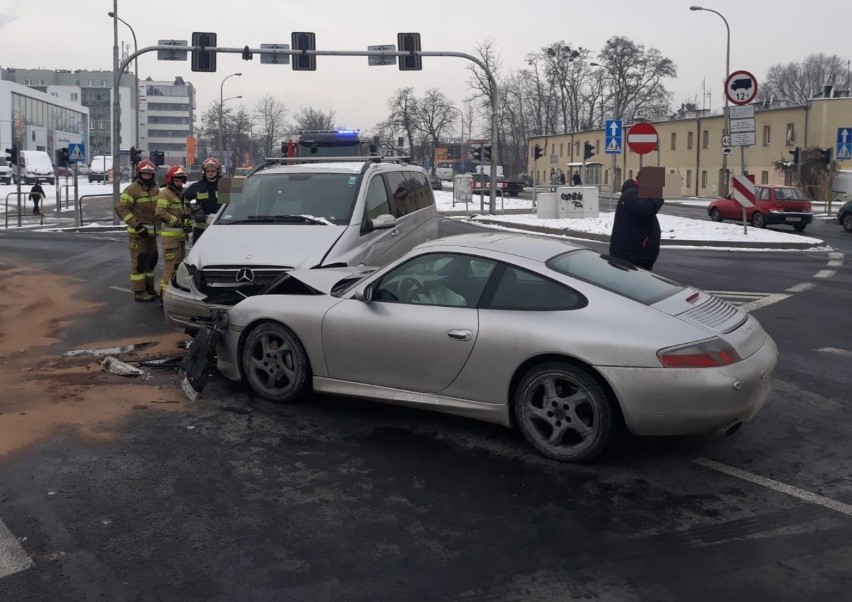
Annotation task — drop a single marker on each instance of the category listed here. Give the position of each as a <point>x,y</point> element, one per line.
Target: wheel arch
<point>532,362</point>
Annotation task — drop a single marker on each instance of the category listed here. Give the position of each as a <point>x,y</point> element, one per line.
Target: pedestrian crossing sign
<point>843,153</point>
<point>76,153</point>
<point>613,146</point>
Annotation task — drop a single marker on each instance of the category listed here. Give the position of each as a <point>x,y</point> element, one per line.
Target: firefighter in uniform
<point>203,193</point>
<point>136,207</point>
<point>173,216</point>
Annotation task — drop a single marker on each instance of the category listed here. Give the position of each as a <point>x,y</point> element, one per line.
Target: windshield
<point>297,198</point>
<point>789,194</point>
<point>615,275</point>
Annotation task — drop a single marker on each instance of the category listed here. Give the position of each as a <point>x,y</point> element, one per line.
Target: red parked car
<point>772,205</point>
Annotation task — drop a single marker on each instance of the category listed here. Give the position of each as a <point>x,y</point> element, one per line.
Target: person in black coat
<point>576,180</point>
<point>635,234</point>
<point>36,194</point>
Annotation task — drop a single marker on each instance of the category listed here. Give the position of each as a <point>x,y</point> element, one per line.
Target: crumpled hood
<point>296,246</point>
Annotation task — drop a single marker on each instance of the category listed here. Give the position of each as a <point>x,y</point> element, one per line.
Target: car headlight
<point>182,278</point>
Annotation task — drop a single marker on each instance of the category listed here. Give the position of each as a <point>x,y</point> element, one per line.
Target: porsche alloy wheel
<point>274,362</point>
<point>563,412</point>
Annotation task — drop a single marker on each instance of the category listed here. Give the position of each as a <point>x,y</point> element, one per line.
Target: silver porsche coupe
<point>536,333</point>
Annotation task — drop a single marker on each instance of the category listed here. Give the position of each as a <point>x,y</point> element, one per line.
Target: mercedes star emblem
<point>245,275</point>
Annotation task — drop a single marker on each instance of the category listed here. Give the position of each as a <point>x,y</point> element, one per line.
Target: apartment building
<point>167,117</point>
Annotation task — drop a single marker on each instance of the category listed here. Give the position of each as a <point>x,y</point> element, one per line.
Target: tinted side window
<point>399,191</point>
<point>377,198</point>
<point>420,190</point>
<point>522,290</point>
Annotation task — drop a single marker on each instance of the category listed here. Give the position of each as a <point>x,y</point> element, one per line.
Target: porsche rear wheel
<point>564,413</point>
<point>274,362</point>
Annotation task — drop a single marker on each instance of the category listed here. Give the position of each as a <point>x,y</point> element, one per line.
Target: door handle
<point>460,335</point>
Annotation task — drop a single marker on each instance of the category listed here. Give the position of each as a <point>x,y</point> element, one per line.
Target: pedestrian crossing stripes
<point>13,559</point>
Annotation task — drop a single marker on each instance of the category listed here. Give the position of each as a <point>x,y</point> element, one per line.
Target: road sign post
<point>741,89</point>
<point>743,193</point>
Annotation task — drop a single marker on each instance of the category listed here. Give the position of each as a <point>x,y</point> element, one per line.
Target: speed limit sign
<point>726,141</point>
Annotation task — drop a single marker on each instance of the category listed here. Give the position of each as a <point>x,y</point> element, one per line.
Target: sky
<point>81,37</point>
<point>673,228</point>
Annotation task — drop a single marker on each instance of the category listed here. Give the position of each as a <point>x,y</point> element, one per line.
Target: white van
<point>841,186</point>
<point>99,167</point>
<point>36,167</point>
<point>315,215</point>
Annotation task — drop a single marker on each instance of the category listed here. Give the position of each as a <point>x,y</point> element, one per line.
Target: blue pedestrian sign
<point>844,144</point>
<point>613,132</point>
<point>76,152</point>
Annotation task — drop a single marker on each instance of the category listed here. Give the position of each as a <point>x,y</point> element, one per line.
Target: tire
<point>800,227</point>
<point>560,401</point>
<point>757,220</point>
<point>847,222</point>
<point>274,362</point>
<point>715,215</point>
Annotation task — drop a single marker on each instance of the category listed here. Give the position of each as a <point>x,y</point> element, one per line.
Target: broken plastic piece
<point>116,366</point>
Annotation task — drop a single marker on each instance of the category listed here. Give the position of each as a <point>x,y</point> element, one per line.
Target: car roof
<point>528,246</point>
<point>353,167</point>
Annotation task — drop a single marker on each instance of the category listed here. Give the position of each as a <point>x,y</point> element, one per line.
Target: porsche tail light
<point>711,353</point>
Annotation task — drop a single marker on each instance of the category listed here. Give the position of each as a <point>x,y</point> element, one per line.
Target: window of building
<point>688,178</point>
<point>766,135</point>
<point>561,145</point>
<point>74,96</point>
<point>689,140</point>
<point>764,177</point>
<point>577,147</point>
<point>705,139</point>
<point>674,141</point>
<point>791,135</point>
<point>703,178</point>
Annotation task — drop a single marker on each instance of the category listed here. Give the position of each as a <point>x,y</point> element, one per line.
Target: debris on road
<point>195,367</point>
<point>116,366</point>
<point>109,350</point>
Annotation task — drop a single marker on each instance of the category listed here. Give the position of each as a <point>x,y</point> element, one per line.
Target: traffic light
<point>61,157</point>
<point>13,154</point>
<point>797,156</point>
<point>825,156</point>
<point>486,153</point>
<point>158,157</point>
<point>476,153</point>
<point>409,42</point>
<point>135,155</point>
<point>588,150</point>
<point>304,40</point>
<point>538,152</point>
<point>203,60</point>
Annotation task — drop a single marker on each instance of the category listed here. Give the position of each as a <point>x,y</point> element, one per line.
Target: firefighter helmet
<point>214,163</point>
<point>145,166</point>
<point>175,172</point>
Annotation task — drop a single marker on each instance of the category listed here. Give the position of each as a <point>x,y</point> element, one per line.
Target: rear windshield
<point>615,275</point>
<point>789,194</point>
<point>329,197</point>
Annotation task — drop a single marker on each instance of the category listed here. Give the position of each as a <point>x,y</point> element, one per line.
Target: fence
<point>40,214</point>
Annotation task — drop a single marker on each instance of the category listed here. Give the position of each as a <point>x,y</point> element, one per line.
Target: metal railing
<point>18,213</point>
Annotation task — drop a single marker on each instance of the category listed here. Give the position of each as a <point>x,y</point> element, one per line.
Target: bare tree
<point>403,115</point>
<point>309,118</point>
<point>635,76</point>
<point>434,116</point>
<point>270,115</point>
<point>797,83</point>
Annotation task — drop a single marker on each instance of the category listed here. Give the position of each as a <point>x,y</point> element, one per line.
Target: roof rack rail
<point>373,158</point>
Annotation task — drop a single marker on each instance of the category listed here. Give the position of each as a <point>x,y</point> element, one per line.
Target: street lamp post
<point>724,187</point>
<point>135,69</point>
<point>221,115</point>
<point>220,129</point>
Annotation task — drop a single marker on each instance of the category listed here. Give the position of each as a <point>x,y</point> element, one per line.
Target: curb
<point>798,246</point>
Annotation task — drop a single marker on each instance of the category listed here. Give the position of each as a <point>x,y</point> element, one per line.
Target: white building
<point>167,117</point>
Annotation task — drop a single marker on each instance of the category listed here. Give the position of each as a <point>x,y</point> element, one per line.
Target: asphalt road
<point>232,497</point>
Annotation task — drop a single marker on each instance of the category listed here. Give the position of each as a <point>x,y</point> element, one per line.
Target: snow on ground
<point>673,228</point>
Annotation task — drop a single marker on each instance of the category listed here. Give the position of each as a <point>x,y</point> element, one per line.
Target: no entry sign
<point>642,138</point>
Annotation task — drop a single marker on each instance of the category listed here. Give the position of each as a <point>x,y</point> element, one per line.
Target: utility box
<point>462,188</point>
<point>545,205</point>
<point>577,202</point>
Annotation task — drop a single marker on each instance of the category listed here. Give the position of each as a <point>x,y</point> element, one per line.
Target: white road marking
<point>778,486</point>
<point>824,274</point>
<point>758,303</point>
<point>13,559</point>
<point>834,263</point>
<point>836,351</point>
<point>801,288</point>
<point>835,255</point>
<point>121,289</point>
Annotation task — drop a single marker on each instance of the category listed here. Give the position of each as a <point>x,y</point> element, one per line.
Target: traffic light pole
<point>119,68</point>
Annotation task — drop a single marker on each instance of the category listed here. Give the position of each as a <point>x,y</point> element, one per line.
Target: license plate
<point>794,219</point>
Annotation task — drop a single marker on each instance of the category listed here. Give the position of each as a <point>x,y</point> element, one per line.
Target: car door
<point>417,331</point>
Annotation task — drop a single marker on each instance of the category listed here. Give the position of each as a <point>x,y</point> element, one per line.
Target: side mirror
<point>364,293</point>
<point>382,222</point>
